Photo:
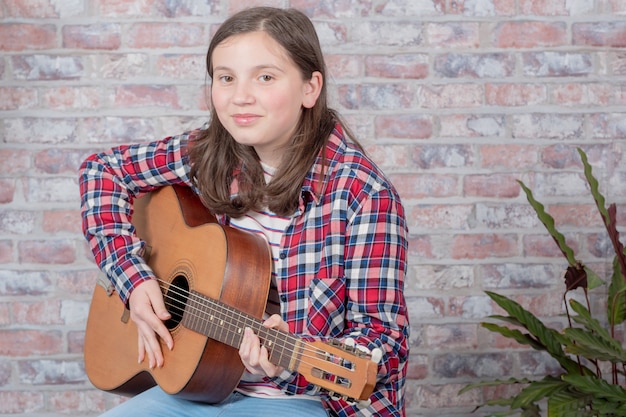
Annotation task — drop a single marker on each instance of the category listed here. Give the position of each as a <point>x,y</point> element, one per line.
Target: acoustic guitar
<point>215,281</point>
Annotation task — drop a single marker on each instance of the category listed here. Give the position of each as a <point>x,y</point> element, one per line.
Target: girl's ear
<point>312,89</point>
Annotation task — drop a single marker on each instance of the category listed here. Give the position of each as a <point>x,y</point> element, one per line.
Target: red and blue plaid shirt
<point>340,273</point>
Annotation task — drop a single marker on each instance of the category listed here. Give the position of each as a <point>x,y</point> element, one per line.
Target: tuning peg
<point>363,404</point>
<point>376,355</point>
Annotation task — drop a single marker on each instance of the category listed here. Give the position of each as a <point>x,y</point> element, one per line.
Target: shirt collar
<point>314,185</point>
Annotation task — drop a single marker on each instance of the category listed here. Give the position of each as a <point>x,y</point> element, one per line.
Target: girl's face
<point>258,93</point>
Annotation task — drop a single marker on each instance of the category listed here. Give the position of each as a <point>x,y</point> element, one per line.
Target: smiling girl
<point>277,161</point>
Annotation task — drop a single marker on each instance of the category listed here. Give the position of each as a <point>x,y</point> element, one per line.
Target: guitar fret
<point>226,324</point>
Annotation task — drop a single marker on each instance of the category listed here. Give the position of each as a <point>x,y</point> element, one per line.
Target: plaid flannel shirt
<point>341,270</point>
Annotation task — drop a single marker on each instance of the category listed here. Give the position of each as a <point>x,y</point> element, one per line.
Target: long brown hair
<point>217,159</point>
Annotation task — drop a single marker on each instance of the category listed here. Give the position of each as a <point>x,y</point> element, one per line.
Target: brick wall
<point>455,99</point>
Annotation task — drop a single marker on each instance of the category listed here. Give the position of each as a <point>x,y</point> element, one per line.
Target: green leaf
<point>616,308</point>
<point>584,317</point>
<point>537,391</point>
<point>550,338</point>
<point>593,185</point>
<point>548,222</point>
<point>597,387</point>
<point>494,383</point>
<point>593,280</point>
<point>519,337</point>
<point>568,403</point>
<point>590,346</point>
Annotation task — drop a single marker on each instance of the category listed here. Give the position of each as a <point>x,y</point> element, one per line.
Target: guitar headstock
<point>342,369</point>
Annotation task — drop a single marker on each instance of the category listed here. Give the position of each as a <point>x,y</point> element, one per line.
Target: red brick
<point>7,190</point>
<point>439,397</point>
<point>544,8</point>
<point>442,216</point>
<point>14,161</point>
<point>417,367</point>
<point>24,36</point>
<point>120,130</point>
<point>21,402</point>
<point>399,33</point>
<point>437,96</point>
<point>491,185</point>
<point>80,402</point>
<point>453,35</point>
<point>557,64</point>
<point>508,155</point>
<point>344,66</point>
<point>165,35</point>
<point>481,9</point>
<point>414,126</point>
<point>122,66</point>
<point>515,94</point>
<point>485,65</point>
<point>421,247</point>
<point>17,98</point>
<point>59,161</point>
<point>377,97</point>
<point>72,98</point>
<point>406,66</point>
<point>51,189</point>
<point>24,343</point>
<point>21,283</point>
<point>62,221</point>
<point>42,312</point>
<point>451,337</point>
<point>76,342</point>
<point>607,126</point>
<point>47,67</point>
<point>105,36</point>
<point>577,94</point>
<point>56,252</point>
<point>30,9</point>
<point>18,222</point>
<point>146,95</point>
<point>545,246</point>
<point>422,185</point>
<point>551,126</point>
<point>605,34</point>
<point>51,372</point>
<point>472,125</point>
<point>530,34</point>
<point>6,252</point>
<point>391,156</point>
<point>482,246</point>
<point>603,158</point>
<point>182,67</point>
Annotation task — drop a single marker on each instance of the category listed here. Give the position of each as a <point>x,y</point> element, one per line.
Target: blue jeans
<point>156,403</point>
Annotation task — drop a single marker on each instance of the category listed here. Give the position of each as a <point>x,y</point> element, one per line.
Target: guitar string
<point>308,353</point>
<point>249,320</point>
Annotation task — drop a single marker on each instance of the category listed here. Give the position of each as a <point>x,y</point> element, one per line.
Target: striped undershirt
<point>272,227</point>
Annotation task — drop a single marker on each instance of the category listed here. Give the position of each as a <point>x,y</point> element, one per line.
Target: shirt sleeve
<point>375,314</point>
<point>109,182</point>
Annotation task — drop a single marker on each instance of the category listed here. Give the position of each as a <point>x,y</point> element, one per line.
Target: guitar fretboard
<point>225,324</point>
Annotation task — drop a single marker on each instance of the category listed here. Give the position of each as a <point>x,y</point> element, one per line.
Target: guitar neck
<point>226,324</point>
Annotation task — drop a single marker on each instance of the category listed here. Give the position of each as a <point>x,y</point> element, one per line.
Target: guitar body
<point>187,249</point>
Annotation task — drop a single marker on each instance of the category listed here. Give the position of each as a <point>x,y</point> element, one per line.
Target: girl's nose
<point>243,93</point>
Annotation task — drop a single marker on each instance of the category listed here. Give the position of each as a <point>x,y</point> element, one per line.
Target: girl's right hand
<point>147,311</point>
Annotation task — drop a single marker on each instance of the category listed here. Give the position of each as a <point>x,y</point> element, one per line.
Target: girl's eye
<point>226,78</point>
<point>266,78</point>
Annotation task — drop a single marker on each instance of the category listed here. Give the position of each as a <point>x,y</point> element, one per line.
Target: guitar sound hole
<point>176,300</point>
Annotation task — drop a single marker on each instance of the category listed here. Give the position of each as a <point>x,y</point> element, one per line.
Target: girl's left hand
<point>255,356</point>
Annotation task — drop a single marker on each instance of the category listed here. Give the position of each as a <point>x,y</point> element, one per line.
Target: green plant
<point>591,357</point>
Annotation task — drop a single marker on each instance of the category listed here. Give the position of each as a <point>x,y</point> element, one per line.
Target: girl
<point>274,160</point>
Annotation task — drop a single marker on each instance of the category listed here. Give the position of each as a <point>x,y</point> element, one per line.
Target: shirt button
<point>282,255</point>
